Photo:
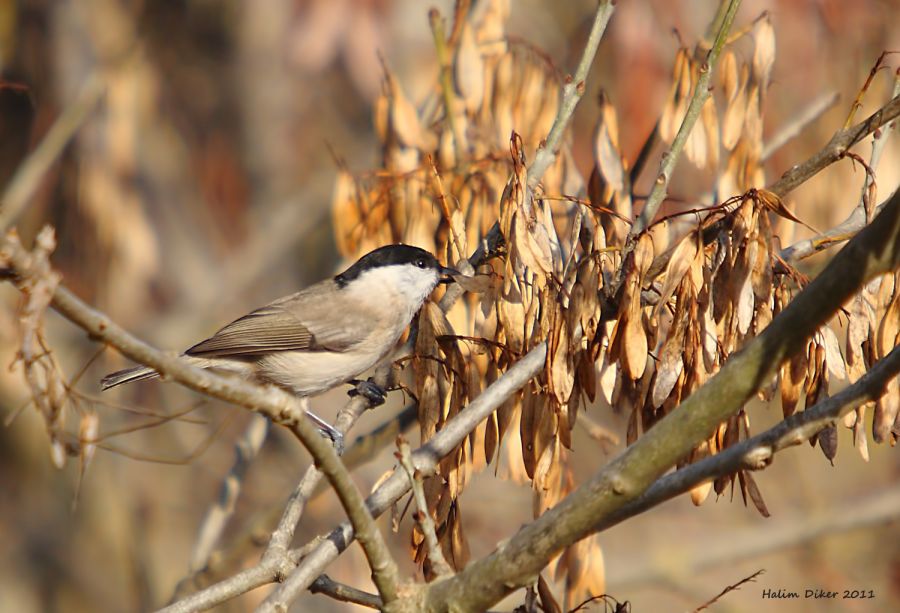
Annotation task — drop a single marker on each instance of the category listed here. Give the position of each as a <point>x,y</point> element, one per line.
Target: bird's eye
<point>420,263</point>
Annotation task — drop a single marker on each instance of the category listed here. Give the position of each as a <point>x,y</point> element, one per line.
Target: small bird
<point>324,335</point>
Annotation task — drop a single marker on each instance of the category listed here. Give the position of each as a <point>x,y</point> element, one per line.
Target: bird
<point>322,336</point>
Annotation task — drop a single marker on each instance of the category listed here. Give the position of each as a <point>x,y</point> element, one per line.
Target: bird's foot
<point>328,431</point>
<point>337,439</point>
<point>369,390</point>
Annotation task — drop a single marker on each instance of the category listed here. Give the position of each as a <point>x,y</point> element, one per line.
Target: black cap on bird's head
<point>395,255</point>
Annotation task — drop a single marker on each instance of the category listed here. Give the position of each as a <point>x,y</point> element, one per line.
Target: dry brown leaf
<point>561,371</point>
<point>774,203</point>
<point>680,262</point>
<point>670,365</point>
<point>405,120</point>
<point>833,358</point>
<point>676,102</point>
<point>748,484</point>
<point>888,328</point>
<point>828,442</point>
<point>887,409</point>
<point>634,344</point>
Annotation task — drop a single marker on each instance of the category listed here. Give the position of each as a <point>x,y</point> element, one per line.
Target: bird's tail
<point>136,373</point>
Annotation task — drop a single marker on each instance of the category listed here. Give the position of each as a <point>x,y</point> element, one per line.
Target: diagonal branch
<point>758,452</point>
<point>425,459</point>
<point>216,518</point>
<point>836,148</point>
<point>278,405</point>
<point>424,518</point>
<point>698,99</point>
<point>875,250</point>
<point>572,92</point>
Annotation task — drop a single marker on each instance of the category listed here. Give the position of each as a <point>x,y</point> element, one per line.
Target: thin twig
<point>756,452</point>
<point>425,459</point>
<point>245,450</point>
<point>328,586</point>
<point>730,588</point>
<point>795,126</point>
<point>423,517</point>
<point>572,92</point>
<point>31,172</point>
<point>698,99</point>
<point>278,405</point>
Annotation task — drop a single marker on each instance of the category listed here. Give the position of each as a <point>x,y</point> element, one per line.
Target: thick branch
<point>758,451</point>
<point>875,250</point>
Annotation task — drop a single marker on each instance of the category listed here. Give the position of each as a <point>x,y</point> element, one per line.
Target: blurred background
<point>200,186</point>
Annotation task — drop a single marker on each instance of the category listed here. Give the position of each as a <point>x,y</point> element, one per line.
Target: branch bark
<point>278,405</point>
<point>425,459</point>
<point>698,99</point>
<point>758,452</point>
<point>875,250</point>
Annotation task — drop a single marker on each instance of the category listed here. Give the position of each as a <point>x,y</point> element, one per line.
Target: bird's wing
<point>293,323</point>
<point>265,330</point>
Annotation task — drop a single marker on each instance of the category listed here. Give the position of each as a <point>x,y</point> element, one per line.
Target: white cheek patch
<point>407,283</point>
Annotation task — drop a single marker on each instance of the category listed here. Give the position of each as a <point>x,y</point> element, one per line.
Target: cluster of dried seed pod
<point>645,335</point>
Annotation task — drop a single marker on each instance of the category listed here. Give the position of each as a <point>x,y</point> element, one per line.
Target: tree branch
<point>698,99</point>
<point>245,450</point>
<point>278,405</point>
<point>326,585</point>
<point>426,522</point>
<point>758,452</point>
<point>572,92</point>
<point>836,148</point>
<point>875,250</point>
<point>425,459</point>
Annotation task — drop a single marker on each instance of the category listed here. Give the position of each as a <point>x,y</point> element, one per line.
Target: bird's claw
<point>337,439</point>
<point>369,390</point>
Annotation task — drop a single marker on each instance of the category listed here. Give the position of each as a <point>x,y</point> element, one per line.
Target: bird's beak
<point>448,274</point>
